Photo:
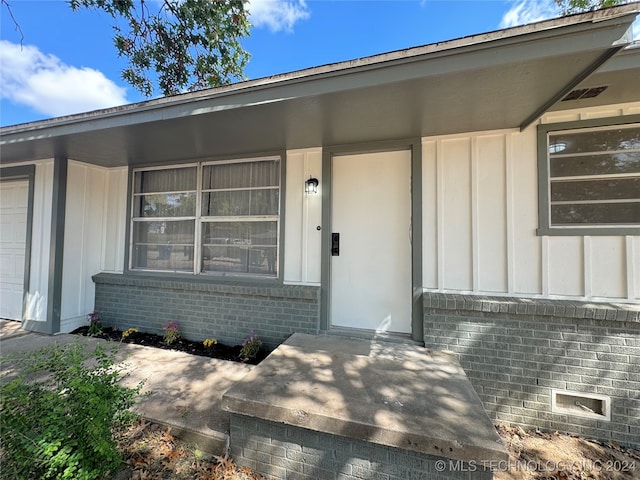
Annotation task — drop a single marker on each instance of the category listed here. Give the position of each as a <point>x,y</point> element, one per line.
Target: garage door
<point>13,235</point>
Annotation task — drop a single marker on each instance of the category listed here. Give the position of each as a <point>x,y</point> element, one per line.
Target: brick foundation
<point>515,351</point>
<point>206,309</point>
<point>287,452</point>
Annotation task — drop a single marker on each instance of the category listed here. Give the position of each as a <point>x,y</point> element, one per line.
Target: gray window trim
<point>24,172</point>
<point>237,279</point>
<point>544,217</point>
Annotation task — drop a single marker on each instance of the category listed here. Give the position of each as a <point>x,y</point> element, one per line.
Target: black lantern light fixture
<point>311,185</point>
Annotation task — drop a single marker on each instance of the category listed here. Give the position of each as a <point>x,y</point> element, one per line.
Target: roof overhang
<point>503,79</point>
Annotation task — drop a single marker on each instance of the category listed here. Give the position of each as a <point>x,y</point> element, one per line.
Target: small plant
<point>128,332</point>
<point>61,425</point>
<point>251,346</point>
<point>209,342</point>
<point>95,326</point>
<point>171,332</point>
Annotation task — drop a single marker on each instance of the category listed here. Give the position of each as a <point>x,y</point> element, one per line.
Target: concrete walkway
<point>184,391</point>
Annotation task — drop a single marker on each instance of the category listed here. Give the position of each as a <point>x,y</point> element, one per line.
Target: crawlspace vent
<point>588,405</point>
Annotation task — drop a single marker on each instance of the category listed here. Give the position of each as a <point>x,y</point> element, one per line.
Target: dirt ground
<point>555,456</point>
<point>151,452</point>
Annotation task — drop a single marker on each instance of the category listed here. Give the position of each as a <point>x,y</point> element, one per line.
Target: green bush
<point>58,420</point>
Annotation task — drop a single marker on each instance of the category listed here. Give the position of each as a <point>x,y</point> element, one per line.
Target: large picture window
<point>208,218</point>
<point>590,179</point>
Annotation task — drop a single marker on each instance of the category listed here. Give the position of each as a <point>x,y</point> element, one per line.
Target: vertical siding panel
<point>544,265</point>
<point>36,307</point>
<point>93,242</point>
<point>529,267</point>
<point>509,219</point>
<point>475,206</point>
<point>74,255</point>
<point>608,267</point>
<point>457,214</point>
<point>588,275</point>
<point>491,211</point>
<point>302,242</point>
<point>566,266</point>
<point>440,211</point>
<point>633,264</point>
<point>115,220</point>
<point>429,216</point>
<point>312,216</point>
<point>85,231</point>
<point>294,210</point>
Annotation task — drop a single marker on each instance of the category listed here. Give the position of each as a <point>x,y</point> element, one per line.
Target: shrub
<point>95,326</point>
<point>128,332</point>
<point>59,417</point>
<point>251,346</point>
<point>171,332</point>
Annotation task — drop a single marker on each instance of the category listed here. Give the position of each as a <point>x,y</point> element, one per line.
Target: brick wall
<point>287,452</point>
<point>206,309</point>
<point>515,351</point>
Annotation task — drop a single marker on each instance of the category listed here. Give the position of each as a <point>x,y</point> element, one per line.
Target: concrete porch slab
<point>395,395</point>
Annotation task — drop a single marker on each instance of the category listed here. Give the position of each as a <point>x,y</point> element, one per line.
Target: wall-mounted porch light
<point>311,185</point>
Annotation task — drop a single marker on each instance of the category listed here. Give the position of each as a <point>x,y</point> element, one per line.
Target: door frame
<point>21,173</point>
<point>414,145</point>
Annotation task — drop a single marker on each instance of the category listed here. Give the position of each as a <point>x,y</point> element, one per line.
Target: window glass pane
<point>625,162</point>
<point>166,245</point>
<point>242,202</point>
<point>165,205</point>
<point>240,247</point>
<point>598,214</point>
<point>616,138</point>
<point>603,189</point>
<point>241,175</point>
<point>166,180</point>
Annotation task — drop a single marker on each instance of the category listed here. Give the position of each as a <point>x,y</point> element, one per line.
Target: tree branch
<point>13,19</point>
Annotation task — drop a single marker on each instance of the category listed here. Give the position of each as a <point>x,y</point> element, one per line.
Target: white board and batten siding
<point>480,215</point>
<point>95,221</point>
<point>38,294</point>
<point>302,239</point>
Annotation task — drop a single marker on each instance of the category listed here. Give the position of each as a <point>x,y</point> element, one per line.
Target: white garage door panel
<point>13,235</point>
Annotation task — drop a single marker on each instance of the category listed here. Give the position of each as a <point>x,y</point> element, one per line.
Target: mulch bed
<point>219,350</point>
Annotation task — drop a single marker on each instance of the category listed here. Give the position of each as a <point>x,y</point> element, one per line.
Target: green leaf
<point>177,45</point>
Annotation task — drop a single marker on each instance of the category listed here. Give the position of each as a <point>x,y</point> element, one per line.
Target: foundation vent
<point>587,405</point>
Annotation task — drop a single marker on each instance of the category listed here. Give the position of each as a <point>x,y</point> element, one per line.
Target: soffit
<point>494,83</point>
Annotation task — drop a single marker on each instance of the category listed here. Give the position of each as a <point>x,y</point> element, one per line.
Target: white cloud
<point>46,84</point>
<point>529,11</point>
<point>277,14</point>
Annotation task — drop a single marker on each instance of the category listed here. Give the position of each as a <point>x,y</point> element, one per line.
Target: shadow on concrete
<point>390,394</point>
<point>180,390</point>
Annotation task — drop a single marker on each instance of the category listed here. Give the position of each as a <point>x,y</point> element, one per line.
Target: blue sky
<point>67,63</point>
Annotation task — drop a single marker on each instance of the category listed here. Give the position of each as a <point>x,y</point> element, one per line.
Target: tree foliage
<point>576,6</point>
<point>185,44</point>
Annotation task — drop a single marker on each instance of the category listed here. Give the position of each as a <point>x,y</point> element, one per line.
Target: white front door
<point>371,212</point>
<point>13,236</point>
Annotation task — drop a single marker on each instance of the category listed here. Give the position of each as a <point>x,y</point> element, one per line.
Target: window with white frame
<point>218,217</point>
<point>590,179</point>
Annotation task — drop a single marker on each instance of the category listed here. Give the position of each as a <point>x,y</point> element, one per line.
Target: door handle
<point>335,244</point>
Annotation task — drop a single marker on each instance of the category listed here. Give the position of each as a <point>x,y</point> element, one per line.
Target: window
<point>590,178</point>
<point>207,218</point>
